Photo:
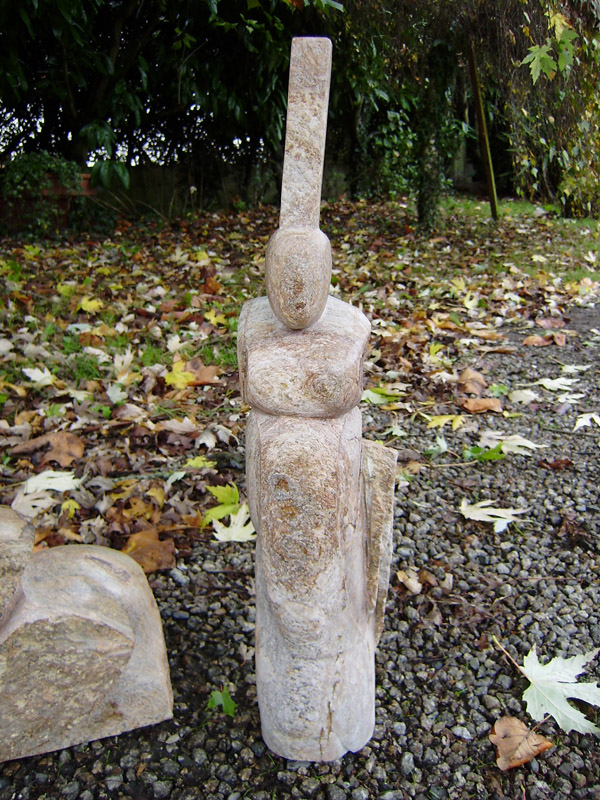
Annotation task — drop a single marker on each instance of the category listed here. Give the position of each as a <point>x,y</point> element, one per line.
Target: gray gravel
<point>441,683</point>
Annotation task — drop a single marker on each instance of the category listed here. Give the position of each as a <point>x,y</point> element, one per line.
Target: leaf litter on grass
<point>125,347</point>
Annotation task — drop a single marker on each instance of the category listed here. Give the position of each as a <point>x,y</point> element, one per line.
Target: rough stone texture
<point>378,473</point>
<point>321,540</point>
<point>320,500</point>
<point>298,259</point>
<point>298,274</point>
<point>305,132</point>
<point>316,372</point>
<point>314,647</point>
<point>82,654</point>
<point>16,542</point>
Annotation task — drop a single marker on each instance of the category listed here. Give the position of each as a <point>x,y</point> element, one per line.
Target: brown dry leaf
<point>149,551</point>
<point>212,285</point>
<point>557,464</point>
<point>488,336</point>
<point>538,341</point>
<point>202,374</point>
<point>31,445</point>
<point>479,405</point>
<point>472,382</point>
<point>427,577</point>
<point>515,743</point>
<point>502,348</point>
<point>136,508</point>
<point>550,322</point>
<point>64,447</point>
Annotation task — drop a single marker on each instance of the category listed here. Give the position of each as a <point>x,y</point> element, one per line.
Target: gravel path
<point>441,682</point>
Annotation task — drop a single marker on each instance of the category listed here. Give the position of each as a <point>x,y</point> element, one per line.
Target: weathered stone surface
<point>314,635</point>
<point>82,654</point>
<point>16,542</point>
<point>378,474</point>
<point>320,498</point>
<point>306,129</point>
<point>316,372</point>
<point>297,275</point>
<point>298,260</point>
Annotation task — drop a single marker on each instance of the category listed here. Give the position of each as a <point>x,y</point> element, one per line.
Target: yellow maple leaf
<point>90,304</point>
<point>69,507</point>
<point>443,419</point>
<point>178,377</point>
<point>214,318</point>
<point>158,494</point>
<point>200,462</point>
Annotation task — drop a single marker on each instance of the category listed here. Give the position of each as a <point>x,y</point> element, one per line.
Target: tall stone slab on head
<point>82,654</point>
<point>298,260</point>
<point>320,497</point>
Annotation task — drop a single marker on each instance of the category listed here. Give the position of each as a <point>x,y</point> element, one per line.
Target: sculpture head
<point>297,275</point>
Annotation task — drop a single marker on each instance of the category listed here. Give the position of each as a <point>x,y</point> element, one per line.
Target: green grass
<point>223,355</point>
<point>84,368</point>
<point>154,355</point>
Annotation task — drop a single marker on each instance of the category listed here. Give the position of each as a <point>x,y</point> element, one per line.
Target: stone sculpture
<point>82,654</point>
<point>321,497</point>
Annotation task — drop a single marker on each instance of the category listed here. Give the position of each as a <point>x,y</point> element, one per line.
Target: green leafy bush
<point>36,189</point>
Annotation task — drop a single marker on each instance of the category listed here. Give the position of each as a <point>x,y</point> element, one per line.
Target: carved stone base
<point>322,564</point>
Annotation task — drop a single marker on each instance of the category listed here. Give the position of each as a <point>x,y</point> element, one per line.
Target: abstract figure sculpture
<point>321,498</point>
<point>82,654</point>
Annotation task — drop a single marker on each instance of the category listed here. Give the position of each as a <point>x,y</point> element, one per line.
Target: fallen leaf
<point>584,420</point>
<point>480,405</point>
<point>182,426</point>
<point>573,369</point>
<point>524,396</point>
<point>443,419</point>
<point>115,393</point>
<point>64,449</point>
<point>214,318</point>
<point>557,464</point>
<point>31,504</point>
<point>425,576</point>
<point>489,336</point>
<point>53,480</point>
<point>472,382</point>
<point>90,305</point>
<point>200,462</point>
<point>149,551</point>
<point>69,507</point>
<point>515,743</point>
<point>514,443</point>
<point>240,528</point>
<point>179,377</point>
<point>574,529</point>
<point>538,341</point>
<point>202,374</point>
<point>484,511</point>
<point>40,377</point>
<point>553,683</point>
<point>550,322</point>
<point>410,579</point>
<point>556,384</point>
